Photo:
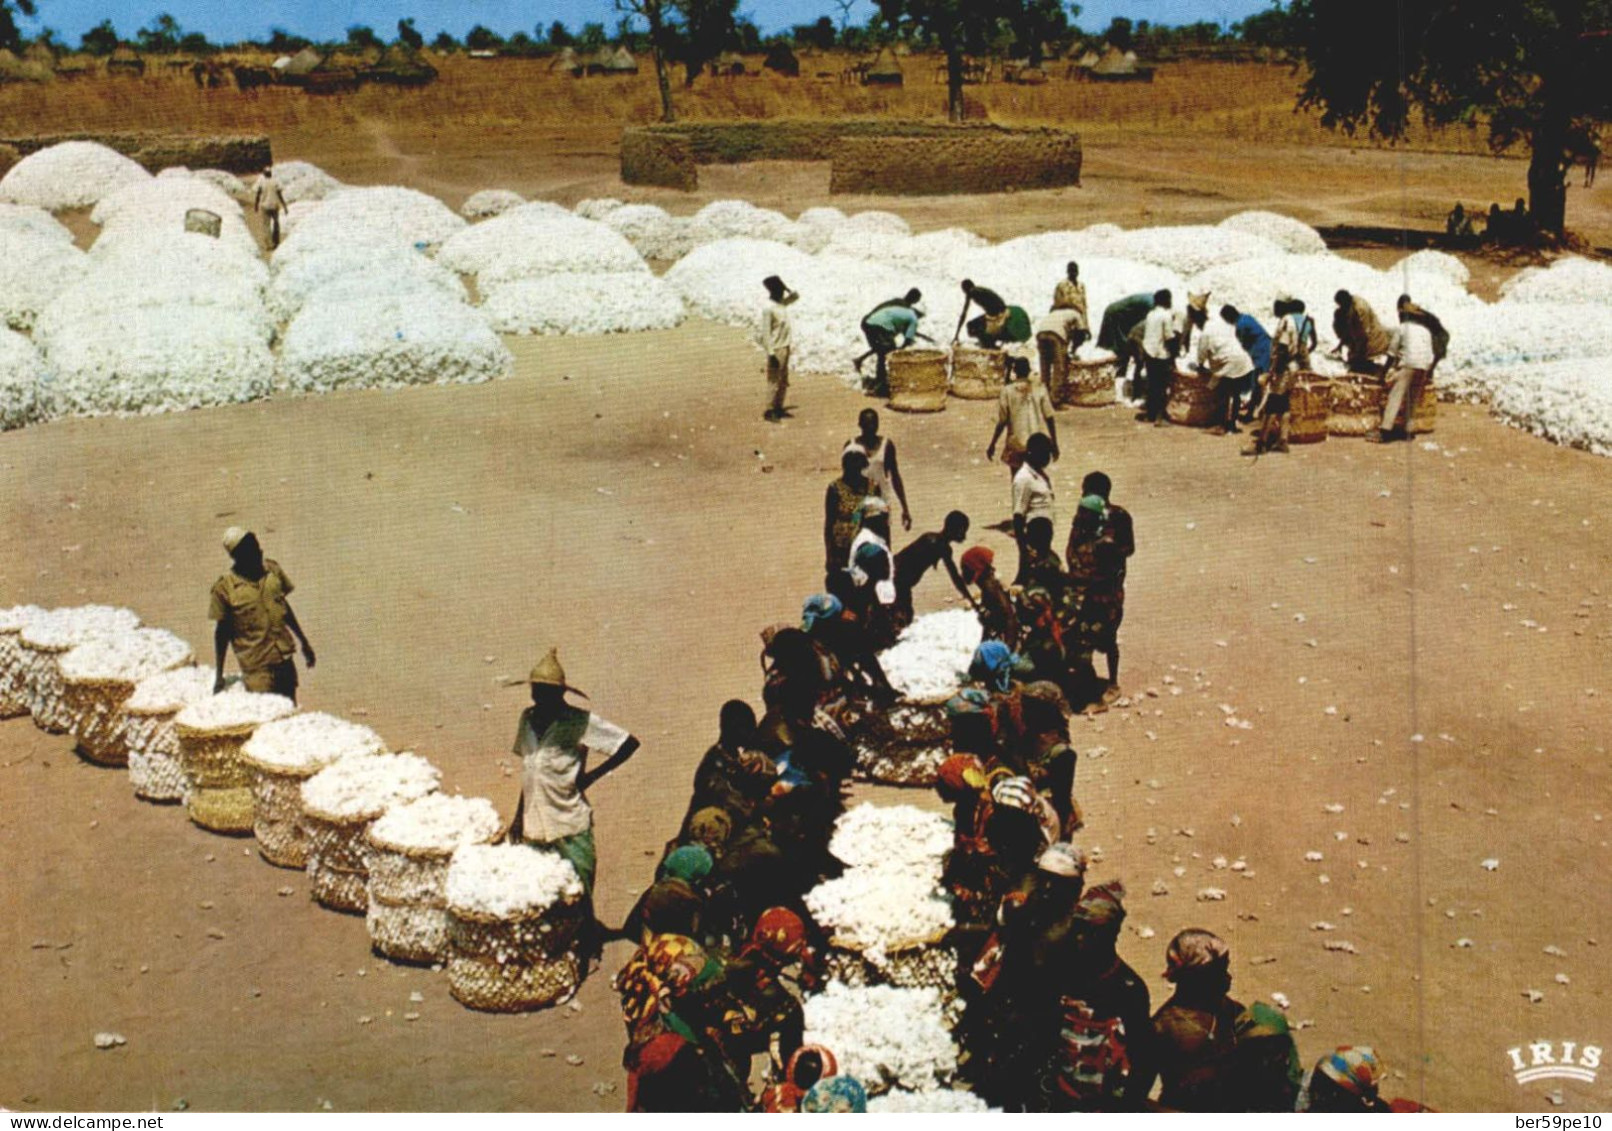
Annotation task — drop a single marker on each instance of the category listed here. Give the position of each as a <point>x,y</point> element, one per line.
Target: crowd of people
<point>1052,1017</point>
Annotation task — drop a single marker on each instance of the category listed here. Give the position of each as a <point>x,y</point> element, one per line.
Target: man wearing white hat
<point>252,610</point>
<point>553,742</point>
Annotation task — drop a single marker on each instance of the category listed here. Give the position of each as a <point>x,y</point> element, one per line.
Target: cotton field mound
<point>583,304</point>
<point>1568,402</point>
<point>160,205</point>
<point>389,340</point>
<point>341,268</point>
<point>74,174</point>
<point>372,217</point>
<point>301,181</point>
<point>490,202</point>
<point>533,242</point>
<point>34,269</point>
<point>653,232</point>
<point>30,220</point>
<point>1293,236</point>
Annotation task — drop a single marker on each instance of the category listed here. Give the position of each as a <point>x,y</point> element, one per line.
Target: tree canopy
<point>1525,68</point>
<point>102,39</point>
<point>10,36</point>
<point>408,35</point>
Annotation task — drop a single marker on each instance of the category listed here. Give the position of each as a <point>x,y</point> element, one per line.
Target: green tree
<point>592,37</point>
<point>1120,33</point>
<point>160,36</point>
<point>1529,68</point>
<point>520,45</point>
<point>959,27</point>
<point>195,43</point>
<point>102,39</point>
<point>444,42</point>
<point>560,35</point>
<point>660,17</point>
<point>820,35</point>
<point>1037,23</point>
<point>361,37</point>
<point>708,29</point>
<point>282,42</point>
<point>1270,28</point>
<point>480,38</point>
<point>10,34</point>
<point>408,36</point>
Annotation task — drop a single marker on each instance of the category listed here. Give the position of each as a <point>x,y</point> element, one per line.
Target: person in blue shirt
<point>888,327</point>
<point>1257,344</point>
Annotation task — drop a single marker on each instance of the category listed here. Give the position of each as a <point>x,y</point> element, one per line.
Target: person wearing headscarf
<point>834,1094</point>
<point>1035,743</point>
<point>998,620</point>
<point>1266,1070</point>
<point>734,775</point>
<point>1195,1031</point>
<point>874,516</point>
<point>995,665</point>
<point>661,989</point>
<point>1096,573</point>
<point>1345,1081</point>
<point>808,1065</point>
<point>673,902</point>
<point>842,505</point>
<point>711,827</point>
<point>759,1013</point>
<point>1361,337</point>
<point>838,622</point>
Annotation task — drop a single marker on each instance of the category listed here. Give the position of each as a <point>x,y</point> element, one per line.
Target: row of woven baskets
<point>1320,406</point>
<point>922,379</point>
<point>182,745</point>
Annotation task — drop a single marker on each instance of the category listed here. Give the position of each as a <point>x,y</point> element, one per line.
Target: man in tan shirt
<point>269,200</point>
<point>252,609</point>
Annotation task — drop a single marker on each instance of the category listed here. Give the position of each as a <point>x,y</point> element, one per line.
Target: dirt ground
<point>1416,633</point>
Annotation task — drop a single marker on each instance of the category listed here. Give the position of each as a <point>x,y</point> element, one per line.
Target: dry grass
<point>1245,103</point>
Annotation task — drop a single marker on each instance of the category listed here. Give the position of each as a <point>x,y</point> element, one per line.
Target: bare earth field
<point>622,498</point>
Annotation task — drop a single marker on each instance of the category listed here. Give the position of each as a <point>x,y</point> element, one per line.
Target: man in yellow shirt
<point>252,609</point>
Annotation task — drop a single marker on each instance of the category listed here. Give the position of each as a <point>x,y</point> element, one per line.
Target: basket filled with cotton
<point>339,803</point>
<point>45,639</point>
<point>905,742</point>
<point>155,771</point>
<point>885,1036</point>
<point>283,754</point>
<point>514,914</point>
<point>410,849</point>
<point>98,678</point>
<point>13,684</point>
<point>211,733</point>
<point>1090,383</point>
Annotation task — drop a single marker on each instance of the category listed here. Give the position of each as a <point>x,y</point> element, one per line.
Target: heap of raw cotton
<point>1571,280</point>
<point>928,254</point>
<point>1025,272</point>
<point>1293,236</point>
<point>728,219</point>
<point>597,208</point>
<point>72,174</point>
<point>25,392</point>
<point>233,708</point>
<point>387,340</point>
<point>490,202</point>
<point>171,690</point>
<point>933,1101</point>
<point>880,911</point>
<point>929,661</point>
<point>304,742</point>
<point>898,838</point>
<point>364,786</point>
<point>1430,262</point>
<point>300,181</point>
<point>1490,345</point>
<point>652,231</point>
<point>1568,402</point>
<point>373,217</point>
<point>34,269</point>
<point>583,304</point>
<point>509,881</point>
<point>438,822</point>
<point>875,220</point>
<point>61,630</point>
<point>30,220</point>
<point>128,657</point>
<point>159,205</point>
<point>1190,248</point>
<point>883,1036</point>
<point>384,270</point>
<point>527,243</point>
<point>231,185</point>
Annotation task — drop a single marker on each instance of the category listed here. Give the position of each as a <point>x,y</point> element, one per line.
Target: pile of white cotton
<point>1569,280</point>
<point>729,219</point>
<point>72,174</point>
<point>231,185</point>
<point>617,303</point>
<point>653,232</point>
<point>59,630</point>
<point>883,1036</point>
<point>880,911</point>
<point>597,208</point>
<point>933,1101</point>
<point>364,786</point>
<point>171,690</point>
<point>158,207</point>
<point>31,220</point>
<point>438,822</point>
<point>1567,402</point>
<point>34,269</point>
<point>1293,236</point>
<point>375,217</point>
<point>490,202</point>
<point>25,390</point>
<point>300,181</point>
<point>233,708</point>
<point>899,838</point>
<point>929,661</point>
<point>344,268</point>
<point>386,340</point>
<point>509,881</point>
<point>302,742</point>
<point>128,657</point>
<point>530,241</point>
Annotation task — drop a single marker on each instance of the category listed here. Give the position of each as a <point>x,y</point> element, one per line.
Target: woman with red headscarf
<point>997,618</point>
<point>758,1011</point>
<point>672,1062</point>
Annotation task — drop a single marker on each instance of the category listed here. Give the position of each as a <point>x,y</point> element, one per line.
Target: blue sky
<point>322,19</point>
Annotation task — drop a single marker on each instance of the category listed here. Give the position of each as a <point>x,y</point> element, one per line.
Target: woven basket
<point>154,767</point>
<point>1356,405</point>
<point>13,694</point>
<point>96,709</point>
<point>917,380</point>
<point>277,817</point>
<point>1424,412</point>
<point>43,687</point>
<point>526,939</point>
<point>1091,383</point>
<point>226,810</point>
<point>339,889</point>
<point>212,758</point>
<point>978,374</point>
<point>407,932</point>
<point>514,987</point>
<point>400,879</point>
<point>1311,402</point>
<point>1191,402</point>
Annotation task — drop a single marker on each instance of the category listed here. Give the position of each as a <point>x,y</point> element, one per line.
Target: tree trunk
<point>1547,169</point>
<point>657,39</point>
<point>954,84</point>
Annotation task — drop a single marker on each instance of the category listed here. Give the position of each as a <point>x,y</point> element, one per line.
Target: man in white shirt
<point>775,338</point>
<point>1161,341</point>
<point>1410,361</point>
<point>553,742</point>
<point>269,200</point>
<point>1222,359</point>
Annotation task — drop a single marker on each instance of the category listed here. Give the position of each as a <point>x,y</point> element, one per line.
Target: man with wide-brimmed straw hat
<point>252,609</point>
<point>553,742</point>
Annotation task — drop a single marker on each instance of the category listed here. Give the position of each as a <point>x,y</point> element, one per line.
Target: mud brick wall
<point>964,161</point>
<point>657,158</point>
<point>242,153</point>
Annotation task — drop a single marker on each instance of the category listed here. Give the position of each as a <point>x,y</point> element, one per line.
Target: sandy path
<point>611,498</point>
